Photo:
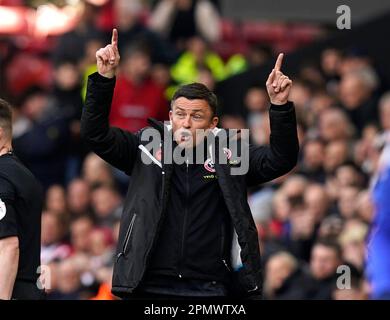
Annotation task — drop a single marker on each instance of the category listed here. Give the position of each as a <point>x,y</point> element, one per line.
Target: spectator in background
<point>325,258</point>
<point>43,145</point>
<point>80,229</point>
<point>130,27</point>
<point>107,205</point>
<point>68,283</point>
<point>55,199</point>
<point>71,45</point>
<point>53,248</point>
<point>180,20</point>
<point>285,279</point>
<point>312,164</point>
<point>96,171</point>
<point>67,93</point>
<point>197,56</point>
<point>334,125</point>
<point>352,242</point>
<point>78,197</point>
<point>336,153</point>
<point>357,96</point>
<point>136,96</point>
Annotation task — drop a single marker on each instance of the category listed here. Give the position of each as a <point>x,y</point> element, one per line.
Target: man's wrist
<point>278,103</point>
<point>108,76</point>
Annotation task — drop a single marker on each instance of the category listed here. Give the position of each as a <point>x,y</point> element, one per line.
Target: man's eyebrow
<point>192,110</point>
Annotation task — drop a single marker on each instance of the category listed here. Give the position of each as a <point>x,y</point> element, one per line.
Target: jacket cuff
<point>284,107</point>
<point>99,80</point>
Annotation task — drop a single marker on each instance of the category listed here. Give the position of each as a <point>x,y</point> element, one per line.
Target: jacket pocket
<point>127,237</point>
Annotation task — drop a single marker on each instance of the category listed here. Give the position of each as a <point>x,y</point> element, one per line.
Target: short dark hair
<point>197,91</point>
<point>5,116</point>
<point>330,244</point>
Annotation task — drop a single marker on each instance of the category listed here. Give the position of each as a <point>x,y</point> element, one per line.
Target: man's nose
<point>187,122</point>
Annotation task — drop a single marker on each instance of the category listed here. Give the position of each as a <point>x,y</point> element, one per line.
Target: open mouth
<point>184,136</point>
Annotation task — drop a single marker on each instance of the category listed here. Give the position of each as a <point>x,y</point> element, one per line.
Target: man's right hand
<point>107,58</point>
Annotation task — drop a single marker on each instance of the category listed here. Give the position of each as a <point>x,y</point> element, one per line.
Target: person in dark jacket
<point>186,228</point>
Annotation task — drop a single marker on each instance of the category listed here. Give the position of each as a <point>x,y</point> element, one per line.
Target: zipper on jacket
<point>222,247</point>
<point>184,220</point>
<point>127,237</point>
<point>226,265</point>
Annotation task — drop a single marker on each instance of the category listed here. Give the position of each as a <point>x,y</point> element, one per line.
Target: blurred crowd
<point>310,221</point>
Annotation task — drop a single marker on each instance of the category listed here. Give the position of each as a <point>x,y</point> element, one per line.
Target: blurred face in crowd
<point>334,125</point>
<point>35,105</point>
<point>320,102</point>
<point>51,229</point>
<point>161,75</point>
<point>137,66</point>
<point>300,94</point>
<point>352,240</point>
<point>316,201</point>
<point>98,243</point>
<point>365,206</point>
<point>55,199</point>
<point>346,176</point>
<point>187,116</point>
<point>126,13</point>
<point>324,261</point>
<point>256,100</point>
<point>347,201</point>
<point>105,201</point>
<point>336,153</point>
<point>281,206</point>
<point>198,48</point>
<point>259,127</point>
<point>68,279</point>
<point>79,231</point>
<point>96,170</point>
<point>294,186</point>
<point>313,157</point>
<point>330,61</point>
<point>353,92</point>
<point>279,267</point>
<point>67,76</point>
<point>206,77</point>
<point>78,196</point>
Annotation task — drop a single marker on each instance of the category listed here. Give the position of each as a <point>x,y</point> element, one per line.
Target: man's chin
<point>185,144</point>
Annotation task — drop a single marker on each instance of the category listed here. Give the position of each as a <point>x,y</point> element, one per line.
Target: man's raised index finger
<point>114,39</point>
<point>279,61</point>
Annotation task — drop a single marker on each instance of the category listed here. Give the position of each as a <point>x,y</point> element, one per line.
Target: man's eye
<point>197,116</point>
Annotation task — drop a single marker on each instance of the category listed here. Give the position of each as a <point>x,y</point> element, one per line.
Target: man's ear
<point>214,122</point>
<point>170,116</point>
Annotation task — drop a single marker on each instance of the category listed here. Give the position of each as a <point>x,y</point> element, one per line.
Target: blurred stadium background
<point>330,211</point>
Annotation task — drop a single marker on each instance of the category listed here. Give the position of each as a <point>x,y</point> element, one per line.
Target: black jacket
<point>148,193</point>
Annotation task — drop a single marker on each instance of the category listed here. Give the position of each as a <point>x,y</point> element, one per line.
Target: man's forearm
<point>9,260</point>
